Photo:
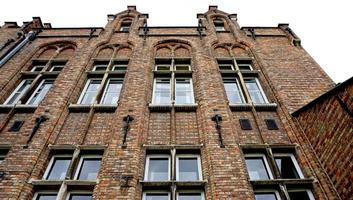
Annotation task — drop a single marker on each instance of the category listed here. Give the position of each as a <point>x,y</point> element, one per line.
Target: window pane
<point>57,68</point>
<point>46,197</point>
<point>245,67</point>
<point>225,67</point>
<point>232,91</point>
<point>38,68</point>
<point>155,196</point>
<point>256,168</point>
<point>41,92</point>
<point>190,196</point>
<point>58,169</point>
<point>182,67</point>
<point>266,196</point>
<point>89,169</point>
<point>119,67</point>
<point>183,93</point>
<point>162,92</point>
<point>19,92</point>
<point>188,169</point>
<point>112,92</point>
<point>80,197</point>
<point>286,167</point>
<point>299,195</point>
<point>254,91</point>
<point>91,91</point>
<point>100,67</point>
<point>158,169</point>
<point>163,67</point>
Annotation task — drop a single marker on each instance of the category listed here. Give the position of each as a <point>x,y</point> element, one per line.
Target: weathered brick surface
<point>286,74</point>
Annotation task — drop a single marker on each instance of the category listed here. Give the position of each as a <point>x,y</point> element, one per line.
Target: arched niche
<point>240,52</point>
<point>181,52</point>
<point>106,52</point>
<point>47,52</point>
<point>221,52</point>
<point>66,53</point>
<point>163,52</point>
<point>124,52</point>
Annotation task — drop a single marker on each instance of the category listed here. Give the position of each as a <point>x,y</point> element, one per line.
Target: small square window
<point>157,168</point>
<point>182,67</point>
<point>57,168</point>
<point>257,166</point>
<point>119,68</point>
<point>288,166</point>
<point>244,67</point>
<point>271,124</point>
<point>162,67</point>
<point>37,68</point>
<point>188,168</point>
<point>219,25</point>
<point>156,195</point>
<point>245,124</point>
<point>100,68</point>
<point>88,167</point>
<point>3,153</point>
<point>16,126</point>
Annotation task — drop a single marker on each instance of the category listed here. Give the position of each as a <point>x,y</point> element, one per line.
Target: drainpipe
<point>28,37</point>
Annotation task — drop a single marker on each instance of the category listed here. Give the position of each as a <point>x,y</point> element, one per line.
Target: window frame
<point>232,67</point>
<point>36,90</point>
<point>15,91</point>
<point>156,192</point>
<point>278,196</point>
<point>83,92</point>
<point>175,66</point>
<point>294,161</point>
<point>147,166</point>
<point>36,66</point>
<point>51,162</point>
<point>267,166</point>
<point>164,65</point>
<point>154,91</point>
<point>242,97</point>
<point>308,191</point>
<point>106,88</point>
<point>250,66</point>
<point>175,90</point>
<point>99,65</point>
<point>190,191</point>
<point>80,163</point>
<point>77,192</point>
<point>260,89</point>
<point>37,193</point>
<point>218,23</point>
<point>117,65</point>
<point>55,65</point>
<point>199,167</point>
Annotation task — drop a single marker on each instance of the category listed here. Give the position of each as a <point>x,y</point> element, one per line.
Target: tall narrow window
<point>233,91</point>
<point>183,91</point>
<point>255,91</point>
<point>219,25</point>
<point>188,168</point>
<point>157,168</point>
<point>112,91</point>
<point>288,166</point>
<point>257,167</point>
<point>89,93</point>
<point>88,168</point>
<point>18,92</point>
<point>40,92</point>
<point>57,168</point>
<point>162,93</point>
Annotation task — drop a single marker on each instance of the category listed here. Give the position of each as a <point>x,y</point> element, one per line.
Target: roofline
<point>323,96</point>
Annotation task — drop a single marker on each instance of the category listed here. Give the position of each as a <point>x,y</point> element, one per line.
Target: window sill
<point>25,108</point>
<point>168,107</point>
<point>240,107</point>
<point>59,182</point>
<point>305,181</point>
<point>96,107</point>
<point>178,183</point>
<point>266,107</point>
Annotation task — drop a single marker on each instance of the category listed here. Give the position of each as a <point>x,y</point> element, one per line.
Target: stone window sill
<point>96,107</point>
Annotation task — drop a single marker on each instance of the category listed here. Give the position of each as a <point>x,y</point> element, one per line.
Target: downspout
<point>29,36</point>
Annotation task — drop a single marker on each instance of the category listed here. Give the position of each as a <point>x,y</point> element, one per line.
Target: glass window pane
<point>299,195</point>
<point>158,169</point>
<point>37,68</point>
<point>254,91</point>
<point>190,196</point>
<point>286,167</point>
<point>41,92</point>
<point>182,67</point>
<point>245,67</point>
<point>119,67</point>
<point>183,93</point>
<point>91,92</point>
<point>265,196</point>
<point>162,92</point>
<point>112,92</point>
<point>19,92</point>
<point>232,91</point>
<point>89,169</point>
<point>157,196</point>
<point>225,67</point>
<point>163,68</point>
<point>57,68</point>
<point>100,67</point>
<point>46,197</point>
<point>58,169</point>
<point>80,197</point>
<point>188,169</point>
<point>256,168</point>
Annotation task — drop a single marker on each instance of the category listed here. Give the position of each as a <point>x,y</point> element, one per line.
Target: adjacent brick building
<point>131,111</point>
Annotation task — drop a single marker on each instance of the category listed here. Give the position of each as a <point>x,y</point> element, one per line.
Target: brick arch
<point>105,52</point>
<point>66,53</point>
<point>124,52</point>
<point>47,52</point>
<point>164,51</point>
<point>221,51</point>
<point>181,51</point>
<point>238,51</point>
<point>172,47</point>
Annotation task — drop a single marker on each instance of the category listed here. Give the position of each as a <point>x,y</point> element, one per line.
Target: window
<point>40,92</point>
<point>188,168</point>
<point>100,67</point>
<point>288,166</point>
<point>257,167</point>
<point>156,195</point>
<point>225,65</point>
<point>45,196</point>
<point>182,65</point>
<point>157,168</point>
<point>88,167</point>
<point>121,68</point>
<point>88,95</point>
<point>190,195</point>
<point>162,67</point>
<point>112,91</point>
<point>18,92</point>
<point>244,66</point>
<point>267,195</point>
<point>79,196</point>
<point>219,25</point>
<point>255,91</point>
<point>125,26</point>
<point>58,167</point>
<point>37,68</point>
<point>57,66</point>
<point>162,94</point>
<point>183,91</point>
<point>234,94</point>
<point>300,194</point>
<point>3,153</point>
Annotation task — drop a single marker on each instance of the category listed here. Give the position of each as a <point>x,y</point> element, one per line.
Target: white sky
<point>325,26</point>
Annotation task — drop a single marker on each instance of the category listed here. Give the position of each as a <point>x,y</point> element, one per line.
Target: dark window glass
<point>58,168</point>
<point>265,196</point>
<point>80,197</point>
<point>89,169</point>
<point>188,169</point>
<point>298,195</point>
<point>256,168</point>
<point>46,197</point>
<point>286,167</point>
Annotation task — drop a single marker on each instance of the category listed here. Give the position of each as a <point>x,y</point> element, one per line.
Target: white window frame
<point>163,65</point>
<point>36,90</point>
<point>106,88</point>
<point>119,65</point>
<point>80,163</point>
<point>267,166</point>
<point>35,196</point>
<point>147,165</point>
<point>15,91</point>
<point>192,90</point>
<point>260,88</point>
<point>154,90</point>
<point>53,66</point>
<point>95,66</point>
<point>36,66</point>
<point>191,191</point>
<point>269,191</point>
<point>155,192</point>
<point>239,88</point>
<point>175,66</point>
<point>199,167</point>
<point>309,192</point>
<point>232,66</point>
<point>294,160</point>
<point>251,68</point>
<point>73,192</point>
<point>83,92</point>
<point>51,162</point>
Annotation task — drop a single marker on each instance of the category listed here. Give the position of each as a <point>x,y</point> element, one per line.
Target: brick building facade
<point>131,111</point>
